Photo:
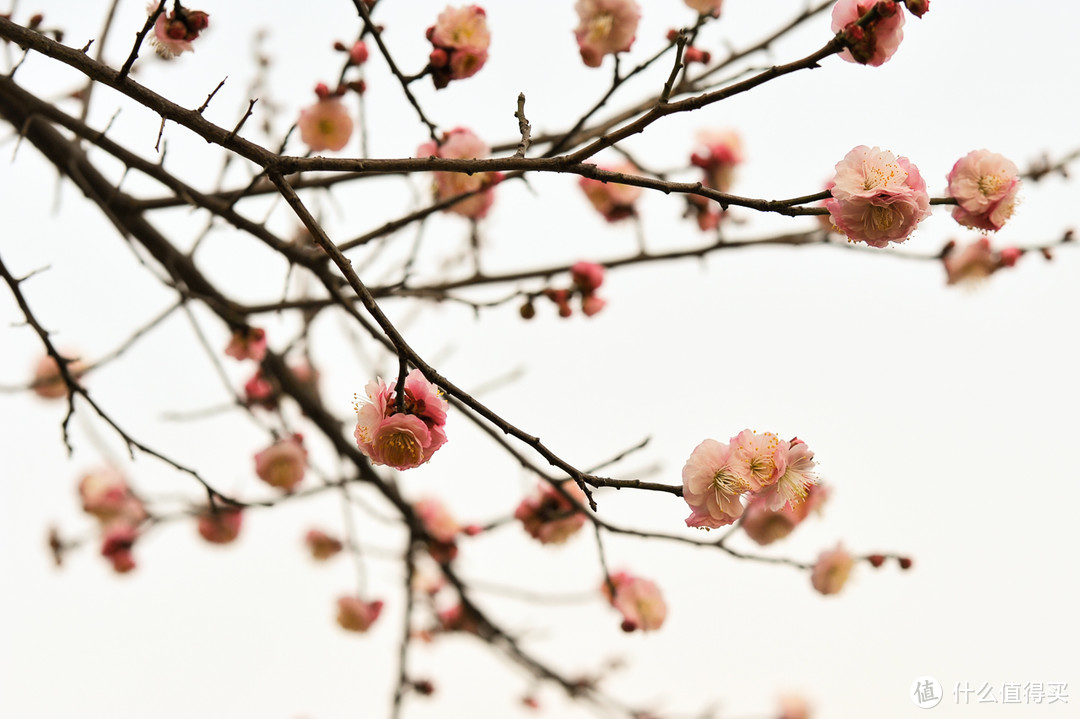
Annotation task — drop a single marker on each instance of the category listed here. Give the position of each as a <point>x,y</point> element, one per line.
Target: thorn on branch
<point>211,95</point>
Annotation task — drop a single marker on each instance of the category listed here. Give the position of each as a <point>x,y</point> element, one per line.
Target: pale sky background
<point>943,418</point>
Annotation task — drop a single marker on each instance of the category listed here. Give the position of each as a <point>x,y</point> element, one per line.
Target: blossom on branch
<point>718,154</point>
<point>321,545</point>
<point>402,436</point>
<point>105,494</point>
<point>638,600</point>
<point>977,261</point>
<point>712,486</point>
<point>984,185</point>
<point>221,525</point>
<point>765,526</point>
<point>48,383</point>
<point>831,571</point>
<point>441,527</point>
<point>326,125</point>
<point>706,7</point>
<point>876,41</point>
<point>877,197</point>
<point>356,615</point>
<point>116,546</point>
<point>606,27</point>
<point>548,516</point>
<point>613,200</point>
<point>174,31</point>
<point>247,343</point>
<point>462,144</point>
<point>461,39</point>
<point>283,463</point>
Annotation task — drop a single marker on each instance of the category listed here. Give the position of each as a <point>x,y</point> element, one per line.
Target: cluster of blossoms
<point>877,197</point>
<point>48,382</point>
<point>587,277</point>
<point>462,144</point>
<point>638,600</point>
<point>460,41</point>
<point>548,516</point>
<point>606,27</point>
<point>283,464</point>
<point>877,40</point>
<point>326,125</point>
<point>175,31</point>
<point>977,261</point>
<point>719,153</point>
<point>401,434</point>
<point>613,200</point>
<point>106,496</point>
<point>717,476</point>
<point>984,185</point>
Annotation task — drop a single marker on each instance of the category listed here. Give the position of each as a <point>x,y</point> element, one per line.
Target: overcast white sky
<point>943,418</point>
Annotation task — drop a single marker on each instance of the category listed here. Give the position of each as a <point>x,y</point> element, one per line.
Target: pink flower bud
<point>356,615</point>
<point>321,545</point>
<point>918,8</point>
<point>222,526</point>
<point>247,343</point>
<point>358,53</point>
<point>876,560</point>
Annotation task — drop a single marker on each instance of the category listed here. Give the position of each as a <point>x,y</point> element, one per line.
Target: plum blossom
<point>718,153</point>
<point>116,546</point>
<point>613,200</point>
<point>441,527</point>
<point>831,570</point>
<point>283,463</point>
<point>984,185</point>
<point>221,526</point>
<point>875,43</point>
<point>247,343</point>
<point>607,27</point>
<point>105,494</point>
<point>765,526</point>
<point>759,458</point>
<point>326,125</point>
<point>713,486</point>
<point>401,439</point>
<point>356,615</point>
<point>795,478</point>
<point>321,545</point>
<point>462,144</point>
<point>174,31</point>
<point>48,383</point>
<point>877,197</point>
<point>638,600</point>
<point>548,516</point>
<point>461,39</point>
<point>706,7</point>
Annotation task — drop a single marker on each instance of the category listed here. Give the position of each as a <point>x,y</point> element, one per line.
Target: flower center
<point>401,449</point>
<point>728,484</point>
<point>883,218</point>
<point>600,27</point>
<point>990,185</point>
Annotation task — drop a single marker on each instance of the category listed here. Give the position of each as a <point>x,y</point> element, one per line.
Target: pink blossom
<point>437,520</point>
<point>259,390</point>
<point>174,31</point>
<point>796,477</point>
<point>638,600</point>
<point>247,343</point>
<point>607,27</point>
<point>706,7</point>
<point>326,125</point>
<point>404,439</point>
<point>321,545</point>
<point>548,516</point>
<point>587,276</point>
<point>116,546</point>
<point>972,263</point>
<point>358,53</point>
<point>984,185</point>
<point>462,144</point>
<point>591,304</point>
<point>722,152</point>
<point>712,486</point>
<point>760,458</point>
<point>918,8</point>
<point>283,463</point>
<point>831,570</point>
<point>356,615</point>
<point>765,526</point>
<point>48,383</point>
<point>106,495</point>
<point>611,199</point>
<point>461,39</point>
<point>877,197</point>
<point>875,43</point>
<point>794,707</point>
<point>221,526</point>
